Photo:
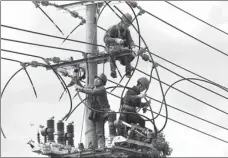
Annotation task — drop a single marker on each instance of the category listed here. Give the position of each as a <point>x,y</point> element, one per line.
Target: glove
<point>119,41</point>
<point>142,95</point>
<point>144,110</point>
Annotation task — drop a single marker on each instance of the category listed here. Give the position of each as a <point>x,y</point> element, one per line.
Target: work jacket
<point>117,32</point>
<point>99,97</point>
<point>131,97</point>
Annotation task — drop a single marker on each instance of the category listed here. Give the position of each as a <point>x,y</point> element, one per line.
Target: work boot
<point>113,74</point>
<point>101,143</point>
<point>128,74</point>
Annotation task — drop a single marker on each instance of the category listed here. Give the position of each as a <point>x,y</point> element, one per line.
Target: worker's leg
<point>113,62</point>
<point>128,68</point>
<point>121,129</point>
<point>100,132</point>
<point>112,128</point>
<point>136,118</point>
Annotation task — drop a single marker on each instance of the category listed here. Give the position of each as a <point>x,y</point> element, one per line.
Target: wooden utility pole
<point>91,37</point>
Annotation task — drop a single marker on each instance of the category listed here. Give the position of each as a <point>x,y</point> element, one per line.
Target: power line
<point>193,82</point>
<point>48,35</point>
<point>11,40</point>
<point>175,109</point>
<point>178,65</point>
<point>196,17</point>
<point>186,94</point>
<point>185,69</point>
<point>184,124</point>
<point>188,34</point>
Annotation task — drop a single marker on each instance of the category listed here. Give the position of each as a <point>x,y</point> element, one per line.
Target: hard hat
<point>127,19</point>
<point>144,82</point>
<point>102,77</point>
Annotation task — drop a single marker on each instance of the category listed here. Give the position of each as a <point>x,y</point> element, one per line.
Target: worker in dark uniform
<point>99,102</point>
<point>118,41</point>
<point>131,100</point>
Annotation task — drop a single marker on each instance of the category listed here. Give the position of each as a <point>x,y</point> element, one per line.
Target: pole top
<point>84,3</point>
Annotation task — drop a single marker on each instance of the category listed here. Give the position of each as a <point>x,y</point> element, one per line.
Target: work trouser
<point>100,121</point>
<point>133,118</point>
<point>115,51</point>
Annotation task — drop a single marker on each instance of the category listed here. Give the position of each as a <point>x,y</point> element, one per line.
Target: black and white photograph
<point>114,79</point>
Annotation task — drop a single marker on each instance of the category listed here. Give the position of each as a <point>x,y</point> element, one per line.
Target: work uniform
<point>130,102</point>
<point>115,49</point>
<point>99,102</point>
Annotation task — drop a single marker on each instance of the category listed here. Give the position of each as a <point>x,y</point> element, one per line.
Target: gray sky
<point>19,105</point>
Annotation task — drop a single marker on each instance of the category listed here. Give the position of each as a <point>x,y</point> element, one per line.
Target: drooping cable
<point>151,70</point>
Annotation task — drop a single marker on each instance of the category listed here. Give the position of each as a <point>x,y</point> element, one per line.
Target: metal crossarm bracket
<point>98,59</point>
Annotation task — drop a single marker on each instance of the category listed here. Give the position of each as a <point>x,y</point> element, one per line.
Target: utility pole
<point>91,37</point>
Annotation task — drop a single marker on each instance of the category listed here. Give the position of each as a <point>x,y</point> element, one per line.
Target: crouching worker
<point>118,41</point>
<point>99,102</point>
<point>131,100</point>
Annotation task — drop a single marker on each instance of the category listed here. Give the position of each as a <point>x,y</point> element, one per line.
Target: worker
<point>118,40</point>
<point>131,100</point>
<point>99,102</point>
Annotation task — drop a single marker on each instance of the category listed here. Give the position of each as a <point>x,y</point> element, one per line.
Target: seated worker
<point>131,100</point>
<point>99,102</point>
<point>118,41</point>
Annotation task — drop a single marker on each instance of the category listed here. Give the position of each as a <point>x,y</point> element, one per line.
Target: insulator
<point>70,134</point>
<point>50,129</point>
<point>60,133</point>
<point>70,128</point>
<point>145,57</point>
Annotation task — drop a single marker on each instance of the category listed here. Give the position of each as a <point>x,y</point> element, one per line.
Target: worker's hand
<point>119,41</point>
<point>135,49</point>
<point>142,95</point>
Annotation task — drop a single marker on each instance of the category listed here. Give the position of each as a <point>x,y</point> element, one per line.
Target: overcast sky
<point>19,105</point>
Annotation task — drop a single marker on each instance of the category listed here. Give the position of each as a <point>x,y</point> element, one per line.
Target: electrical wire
<point>192,79</point>
<point>193,128</point>
<point>186,69</point>
<point>195,17</point>
<point>3,93</point>
<point>187,34</point>
<point>173,108</point>
<point>11,40</point>
<point>51,20</point>
<point>71,32</point>
<point>137,57</point>
<point>52,46</point>
<point>225,88</point>
<point>24,67</point>
<point>185,124</point>
<point>48,35</point>
<point>151,69</point>
<point>193,82</point>
<point>207,104</point>
<point>58,76</point>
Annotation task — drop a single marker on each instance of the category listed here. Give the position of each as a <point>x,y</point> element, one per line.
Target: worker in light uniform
<point>101,103</point>
<point>131,100</point>
<point>117,36</point>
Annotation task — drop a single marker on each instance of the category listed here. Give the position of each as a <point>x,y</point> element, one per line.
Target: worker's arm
<point>109,36</point>
<point>90,91</point>
<point>130,40</point>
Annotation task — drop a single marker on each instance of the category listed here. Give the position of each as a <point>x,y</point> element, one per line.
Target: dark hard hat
<point>102,77</point>
<point>127,19</point>
<point>144,82</point>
